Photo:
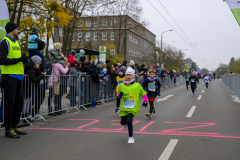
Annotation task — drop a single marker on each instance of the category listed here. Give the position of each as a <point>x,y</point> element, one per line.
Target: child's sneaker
<point>149,115</point>
<point>154,110</point>
<point>131,140</point>
<point>117,110</point>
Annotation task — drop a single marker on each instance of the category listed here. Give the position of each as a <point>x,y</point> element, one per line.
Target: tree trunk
<point>20,12</point>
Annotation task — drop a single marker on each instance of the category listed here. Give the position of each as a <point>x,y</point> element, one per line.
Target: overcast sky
<point>209,24</point>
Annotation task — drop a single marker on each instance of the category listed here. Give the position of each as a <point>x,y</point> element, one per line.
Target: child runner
<point>120,78</point>
<point>187,79</point>
<point>206,80</point>
<point>129,92</point>
<point>152,86</point>
<point>193,81</point>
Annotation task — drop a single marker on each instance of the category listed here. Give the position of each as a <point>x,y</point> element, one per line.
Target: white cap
<point>130,71</point>
<point>82,51</point>
<point>131,62</point>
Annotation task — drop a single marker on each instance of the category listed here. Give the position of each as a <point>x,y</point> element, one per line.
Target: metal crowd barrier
<point>232,84</point>
<point>75,92</point>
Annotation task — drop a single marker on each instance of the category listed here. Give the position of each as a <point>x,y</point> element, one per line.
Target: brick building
<point>121,34</point>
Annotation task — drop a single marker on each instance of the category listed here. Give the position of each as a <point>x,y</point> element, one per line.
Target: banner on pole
<point>234,5</point>
<point>4,18</point>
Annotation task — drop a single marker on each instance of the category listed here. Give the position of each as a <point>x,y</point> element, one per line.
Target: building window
<point>113,22</point>
<point>60,32</point>
<point>104,36</point>
<point>95,36</point>
<point>130,37</point>
<point>104,22</point>
<point>112,36</point>
<point>88,36</point>
<point>95,23</point>
<point>79,23</point>
<point>88,23</point>
<point>79,36</point>
<point>95,48</point>
<point>112,50</point>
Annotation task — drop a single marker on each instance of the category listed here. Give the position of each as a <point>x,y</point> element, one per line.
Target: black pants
<point>39,97</point>
<point>187,84</point>
<point>57,99</point>
<point>151,107</point>
<point>13,101</point>
<point>118,102</point>
<point>128,120</point>
<point>206,85</point>
<point>193,87</point>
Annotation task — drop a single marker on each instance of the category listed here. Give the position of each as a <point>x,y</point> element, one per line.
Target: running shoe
<point>131,140</point>
<point>154,110</point>
<point>149,115</point>
<point>117,110</point>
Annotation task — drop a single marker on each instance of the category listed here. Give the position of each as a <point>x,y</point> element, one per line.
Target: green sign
<point>4,18</point>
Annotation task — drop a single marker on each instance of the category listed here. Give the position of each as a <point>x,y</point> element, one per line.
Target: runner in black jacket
<point>193,80</point>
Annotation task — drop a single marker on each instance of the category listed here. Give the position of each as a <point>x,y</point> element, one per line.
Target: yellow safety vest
<point>14,52</point>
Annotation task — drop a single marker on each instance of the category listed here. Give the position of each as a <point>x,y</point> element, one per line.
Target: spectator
<point>32,86</point>
<point>116,69</point>
<point>72,58</point>
<point>110,72</point>
<point>34,42</point>
<point>79,55</point>
<point>107,61</point>
<point>56,56</point>
<point>57,71</point>
<point>99,63</point>
<point>73,82</point>
<point>12,80</point>
<point>124,64</point>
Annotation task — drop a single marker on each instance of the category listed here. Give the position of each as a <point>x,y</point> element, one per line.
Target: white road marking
<point>199,97</point>
<point>191,111</point>
<point>168,150</point>
<point>202,91</point>
<point>204,87</point>
<point>165,98</point>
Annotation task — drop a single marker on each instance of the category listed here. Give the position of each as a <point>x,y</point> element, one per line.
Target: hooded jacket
<point>32,80</point>
<point>152,87</point>
<point>56,57</point>
<point>72,60</point>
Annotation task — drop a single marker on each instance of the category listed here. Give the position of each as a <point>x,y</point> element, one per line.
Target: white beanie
<point>130,71</point>
<point>82,51</point>
<point>131,62</point>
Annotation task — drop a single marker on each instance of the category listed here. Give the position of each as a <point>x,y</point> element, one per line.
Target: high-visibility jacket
<point>14,52</point>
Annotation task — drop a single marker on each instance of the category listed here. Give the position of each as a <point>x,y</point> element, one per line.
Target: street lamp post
<point>162,42</point>
<point>98,21</point>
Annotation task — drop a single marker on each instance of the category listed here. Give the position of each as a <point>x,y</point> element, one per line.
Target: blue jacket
<point>33,41</point>
<point>148,86</point>
<point>159,70</point>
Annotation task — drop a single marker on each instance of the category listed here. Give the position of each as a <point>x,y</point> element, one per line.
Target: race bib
<point>192,80</point>
<point>127,103</point>
<point>120,82</point>
<point>152,87</point>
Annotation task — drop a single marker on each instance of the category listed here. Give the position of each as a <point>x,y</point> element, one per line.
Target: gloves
<point>23,59</point>
<point>145,104</point>
<point>159,95</point>
<point>121,94</point>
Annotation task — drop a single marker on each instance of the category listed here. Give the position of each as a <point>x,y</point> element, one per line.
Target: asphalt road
<point>185,127</point>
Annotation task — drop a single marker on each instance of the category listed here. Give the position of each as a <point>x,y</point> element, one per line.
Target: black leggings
<point>128,120</point>
<point>151,107</point>
<point>187,83</point>
<point>193,87</point>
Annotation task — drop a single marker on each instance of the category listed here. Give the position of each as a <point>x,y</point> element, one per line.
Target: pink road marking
<point>134,122</point>
<point>88,124</point>
<point>148,133</point>
<point>82,119</point>
<point>172,130</point>
<point>146,126</point>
